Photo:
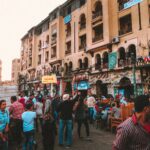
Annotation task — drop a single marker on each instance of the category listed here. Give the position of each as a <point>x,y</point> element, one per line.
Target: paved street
<point>101,140</point>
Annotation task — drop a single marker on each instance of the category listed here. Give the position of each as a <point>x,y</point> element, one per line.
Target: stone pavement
<point>100,140</point>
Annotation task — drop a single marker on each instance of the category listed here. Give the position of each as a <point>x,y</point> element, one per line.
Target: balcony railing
<point>53,55</point>
<point>97,38</point>
<point>97,15</point>
<point>46,60</point>
<point>68,51</point>
<point>124,62</point>
<point>82,46</point>
<point>97,66</point>
<point>54,41</point>
<point>39,62</point>
<point>124,31</point>
<point>82,26</point>
<point>68,33</point>
<point>105,65</point>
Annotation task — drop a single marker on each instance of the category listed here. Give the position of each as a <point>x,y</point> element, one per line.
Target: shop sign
<point>83,85</point>
<point>49,79</point>
<point>67,19</point>
<point>112,60</point>
<point>131,3</point>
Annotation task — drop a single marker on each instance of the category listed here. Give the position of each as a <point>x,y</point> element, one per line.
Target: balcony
<point>68,51</point>
<point>97,66</point>
<point>39,62</point>
<point>122,62</point>
<point>46,60</point>
<point>97,38</point>
<point>53,55</point>
<point>68,34</point>
<point>82,26</point>
<point>30,65</point>
<point>105,65</point>
<point>53,41</point>
<point>125,31</point>
<point>81,47</point>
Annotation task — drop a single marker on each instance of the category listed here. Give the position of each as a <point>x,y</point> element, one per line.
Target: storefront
<point>145,74</point>
<point>114,83</point>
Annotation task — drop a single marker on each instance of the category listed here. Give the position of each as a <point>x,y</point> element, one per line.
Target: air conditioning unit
<point>115,40</point>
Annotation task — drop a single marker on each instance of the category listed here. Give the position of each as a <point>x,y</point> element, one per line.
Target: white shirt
<point>91,101</point>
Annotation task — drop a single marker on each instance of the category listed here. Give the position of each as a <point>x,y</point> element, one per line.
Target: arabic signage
<point>49,79</point>
<point>131,3</point>
<point>67,19</point>
<point>112,60</point>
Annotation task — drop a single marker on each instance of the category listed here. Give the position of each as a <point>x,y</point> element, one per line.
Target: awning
<point>82,85</point>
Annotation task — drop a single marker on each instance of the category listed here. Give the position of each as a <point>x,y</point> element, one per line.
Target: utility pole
<point>133,61</point>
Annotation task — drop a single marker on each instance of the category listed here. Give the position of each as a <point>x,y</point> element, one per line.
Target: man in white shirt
<point>91,105</point>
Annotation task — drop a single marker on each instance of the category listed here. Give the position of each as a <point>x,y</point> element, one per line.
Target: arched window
<point>47,39</point>
<point>68,29</point>
<point>105,60</point>
<point>40,44</point>
<point>80,63</point>
<point>82,21</point>
<point>132,50</point>
<point>122,56</point>
<point>97,61</point>
<point>86,63</point>
<point>98,9</point>
<point>70,66</point>
<point>66,68</point>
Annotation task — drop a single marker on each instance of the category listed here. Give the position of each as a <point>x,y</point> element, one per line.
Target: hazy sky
<point>16,18</point>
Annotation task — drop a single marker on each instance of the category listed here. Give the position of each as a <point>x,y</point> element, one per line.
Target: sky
<point>16,18</point>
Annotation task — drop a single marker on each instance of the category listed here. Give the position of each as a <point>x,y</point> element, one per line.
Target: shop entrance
<point>101,89</point>
<point>125,87</point>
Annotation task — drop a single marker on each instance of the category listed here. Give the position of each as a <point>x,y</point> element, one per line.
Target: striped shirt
<point>16,110</point>
<point>131,136</point>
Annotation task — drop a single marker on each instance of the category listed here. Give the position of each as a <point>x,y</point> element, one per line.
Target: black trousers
<point>16,130</point>
<point>86,124</point>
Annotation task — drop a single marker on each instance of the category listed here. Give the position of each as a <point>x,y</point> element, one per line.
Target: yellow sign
<point>49,79</point>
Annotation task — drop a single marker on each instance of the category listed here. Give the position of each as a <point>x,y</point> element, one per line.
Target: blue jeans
<point>29,138</point>
<point>68,125</point>
<point>91,113</point>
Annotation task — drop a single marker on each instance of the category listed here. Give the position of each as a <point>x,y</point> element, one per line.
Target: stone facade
<point>15,70</point>
<point>79,37</point>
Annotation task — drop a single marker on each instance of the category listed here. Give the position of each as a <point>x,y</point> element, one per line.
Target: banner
<point>131,3</point>
<point>112,60</point>
<point>49,79</point>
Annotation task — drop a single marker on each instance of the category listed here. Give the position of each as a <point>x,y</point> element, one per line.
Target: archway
<point>125,87</point>
<point>101,89</point>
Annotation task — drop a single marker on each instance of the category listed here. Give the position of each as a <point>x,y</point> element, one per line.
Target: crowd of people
<point>48,116</point>
<point>27,116</point>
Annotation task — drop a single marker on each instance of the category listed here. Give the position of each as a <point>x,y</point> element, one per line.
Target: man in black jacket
<point>66,109</point>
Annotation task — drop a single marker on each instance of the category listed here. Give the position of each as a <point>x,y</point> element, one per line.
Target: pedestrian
<point>28,118</point>
<point>55,103</point>
<point>49,131</point>
<point>16,109</point>
<point>81,116</point>
<point>65,109</point>
<point>39,113</point>
<point>22,99</point>
<point>134,133</point>
<point>90,101</point>
<point>4,126</point>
